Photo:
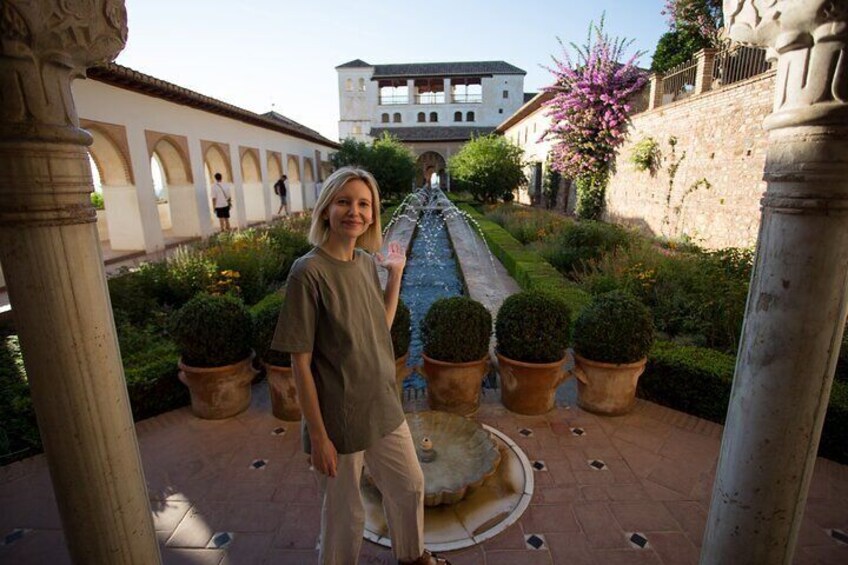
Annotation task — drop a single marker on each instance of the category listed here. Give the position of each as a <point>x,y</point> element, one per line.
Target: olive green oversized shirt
<point>335,309</point>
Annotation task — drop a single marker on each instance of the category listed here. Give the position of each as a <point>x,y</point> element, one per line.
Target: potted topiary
<point>532,331</point>
<point>400,344</point>
<point>456,333</point>
<point>214,335</point>
<point>281,387</point>
<point>612,337</point>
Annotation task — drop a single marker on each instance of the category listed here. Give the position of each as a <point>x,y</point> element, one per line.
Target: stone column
<point>55,278</point>
<point>705,59</point>
<point>655,95</point>
<point>797,302</point>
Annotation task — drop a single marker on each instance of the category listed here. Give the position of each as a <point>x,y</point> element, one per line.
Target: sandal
<point>427,558</point>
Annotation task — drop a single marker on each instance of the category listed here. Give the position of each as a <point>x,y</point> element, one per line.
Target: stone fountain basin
<point>466,455</point>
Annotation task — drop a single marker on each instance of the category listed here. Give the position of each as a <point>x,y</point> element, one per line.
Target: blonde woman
<point>335,323</point>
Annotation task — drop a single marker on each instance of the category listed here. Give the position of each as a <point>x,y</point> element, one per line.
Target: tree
<point>693,25</point>
<point>489,167</point>
<point>589,111</point>
<point>391,162</point>
<point>393,165</point>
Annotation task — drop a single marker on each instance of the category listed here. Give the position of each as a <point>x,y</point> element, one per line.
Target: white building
<point>432,107</point>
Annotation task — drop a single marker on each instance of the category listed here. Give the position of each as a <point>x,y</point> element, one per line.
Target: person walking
<point>281,190</point>
<point>221,202</point>
<point>335,323</point>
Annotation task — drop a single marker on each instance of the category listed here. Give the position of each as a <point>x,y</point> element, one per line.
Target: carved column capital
<point>809,40</point>
<point>43,46</point>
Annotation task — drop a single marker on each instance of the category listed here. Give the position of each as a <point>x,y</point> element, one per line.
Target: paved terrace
<point>659,468</point>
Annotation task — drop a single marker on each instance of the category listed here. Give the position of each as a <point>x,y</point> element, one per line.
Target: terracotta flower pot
<point>454,387</point>
<point>218,392</point>
<point>529,388</point>
<point>401,372</point>
<point>284,402</point>
<point>607,388</point>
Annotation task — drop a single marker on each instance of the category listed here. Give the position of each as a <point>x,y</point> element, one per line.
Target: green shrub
<point>401,330</point>
<point>526,225</point>
<point>833,444</point>
<point>18,427</point>
<point>646,155</point>
<point>581,242</point>
<point>489,167</point>
<point>132,298</point>
<point>151,373</point>
<point>614,328</point>
<point>289,244</point>
<point>265,314</point>
<point>97,201</point>
<point>692,379</point>
<point>250,254</point>
<point>456,330</point>
<point>212,331</point>
<point>533,327</point>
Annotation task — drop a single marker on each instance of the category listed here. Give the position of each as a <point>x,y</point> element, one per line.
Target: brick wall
<point>724,143</point>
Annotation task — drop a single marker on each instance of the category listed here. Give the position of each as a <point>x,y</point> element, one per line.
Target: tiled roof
<point>129,79</point>
<point>447,69</point>
<point>528,108</point>
<point>355,64</point>
<point>434,133</point>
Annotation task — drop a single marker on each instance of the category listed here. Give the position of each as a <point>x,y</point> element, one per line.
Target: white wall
<point>137,112</point>
<point>525,134</point>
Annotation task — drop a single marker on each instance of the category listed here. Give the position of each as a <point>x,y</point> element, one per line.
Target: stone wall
<point>720,152</point>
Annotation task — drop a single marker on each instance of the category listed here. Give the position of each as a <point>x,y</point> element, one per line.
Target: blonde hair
<point>319,231</point>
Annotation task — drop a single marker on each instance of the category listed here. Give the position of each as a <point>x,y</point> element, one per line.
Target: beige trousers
<point>394,466</point>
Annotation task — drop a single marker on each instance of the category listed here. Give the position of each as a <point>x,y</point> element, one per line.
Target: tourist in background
<point>335,322</point>
<point>221,201</point>
<point>281,190</point>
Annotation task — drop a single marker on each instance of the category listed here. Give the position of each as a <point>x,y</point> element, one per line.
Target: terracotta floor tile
<point>833,554</point>
<point>541,519</point>
<point>168,515</point>
<point>278,556</point>
<point>512,538</point>
<point>556,494</point>
<point>198,525</point>
<point>570,549</point>
<point>644,516</point>
<point>299,526</point>
<point>691,516</point>
<point>183,556</point>
<point>247,548</point>
<point>627,557</point>
<point>512,557</point>
<point>673,548</point>
<point>598,525</point>
<point>471,556</point>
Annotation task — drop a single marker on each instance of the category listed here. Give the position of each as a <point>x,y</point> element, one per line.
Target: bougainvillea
<point>589,110</point>
<point>703,17</point>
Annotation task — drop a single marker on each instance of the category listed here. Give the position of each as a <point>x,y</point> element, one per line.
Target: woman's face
<point>350,212</point>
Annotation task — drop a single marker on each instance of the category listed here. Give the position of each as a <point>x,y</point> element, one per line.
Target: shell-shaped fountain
<point>456,455</point>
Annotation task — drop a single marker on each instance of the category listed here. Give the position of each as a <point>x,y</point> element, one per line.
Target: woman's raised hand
<point>394,260</point>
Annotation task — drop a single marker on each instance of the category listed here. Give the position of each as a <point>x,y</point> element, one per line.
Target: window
<point>348,85</point>
<point>396,117</point>
<point>362,85</point>
<point>429,91</point>
<point>457,116</point>
<point>393,92</point>
<point>357,130</point>
<point>421,117</point>
<point>469,116</point>
<point>500,110</point>
<point>434,117</point>
<point>384,118</point>
<point>506,93</point>
<point>466,90</point>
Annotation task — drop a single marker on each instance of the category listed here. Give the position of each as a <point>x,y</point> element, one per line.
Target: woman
<point>335,323</point>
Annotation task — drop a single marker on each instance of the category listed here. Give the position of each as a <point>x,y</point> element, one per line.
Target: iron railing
<point>393,100</point>
<point>735,64</point>
<point>679,82</point>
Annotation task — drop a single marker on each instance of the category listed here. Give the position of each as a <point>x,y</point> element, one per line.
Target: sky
<point>263,55</point>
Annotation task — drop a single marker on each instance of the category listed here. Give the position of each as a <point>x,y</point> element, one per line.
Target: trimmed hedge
<point>533,327</point>
<point>401,329</point>
<point>456,330</point>
<point>528,268</point>
<point>698,381</point>
<point>265,314</point>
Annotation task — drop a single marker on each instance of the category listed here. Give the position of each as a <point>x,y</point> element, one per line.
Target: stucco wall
<point>724,143</point>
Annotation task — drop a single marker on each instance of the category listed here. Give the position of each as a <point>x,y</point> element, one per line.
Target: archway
<point>431,163</point>
<point>119,223</point>
<point>251,178</point>
<point>217,161</point>
<point>295,194</point>
<point>309,183</point>
<point>177,200</point>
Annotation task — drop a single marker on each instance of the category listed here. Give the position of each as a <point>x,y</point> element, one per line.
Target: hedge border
<point>694,380</point>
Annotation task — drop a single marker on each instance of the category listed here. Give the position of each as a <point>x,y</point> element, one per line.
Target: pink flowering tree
<point>589,112</point>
